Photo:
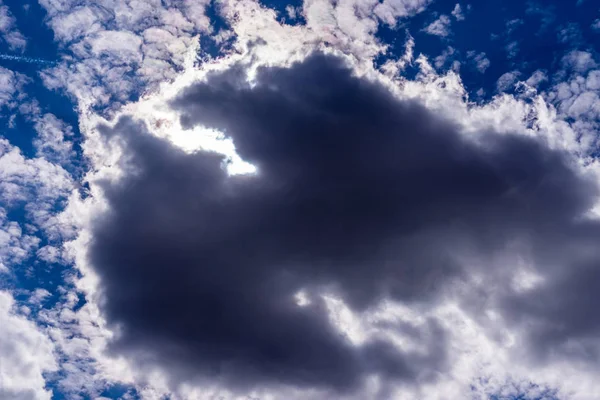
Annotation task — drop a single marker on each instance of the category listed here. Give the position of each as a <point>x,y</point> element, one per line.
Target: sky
<point>350,199</point>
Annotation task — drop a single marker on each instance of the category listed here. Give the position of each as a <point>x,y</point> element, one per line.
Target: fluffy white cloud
<point>11,87</point>
<point>536,78</point>
<point>15,245</point>
<point>507,81</point>
<point>457,12</point>
<point>389,11</point>
<point>439,27</point>
<point>8,31</point>
<point>52,141</point>
<point>24,180</point>
<point>26,354</point>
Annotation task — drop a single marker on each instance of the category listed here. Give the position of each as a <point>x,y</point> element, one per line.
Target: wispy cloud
<point>29,60</point>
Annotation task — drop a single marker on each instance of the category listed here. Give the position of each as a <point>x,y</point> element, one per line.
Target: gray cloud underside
<point>357,193</point>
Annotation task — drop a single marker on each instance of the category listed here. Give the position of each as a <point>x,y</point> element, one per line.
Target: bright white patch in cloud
<point>23,179</point>
<point>443,58</point>
<point>596,25</point>
<point>25,355</point>
<point>536,78</point>
<point>439,27</point>
<point>11,86</point>
<point>15,245</point>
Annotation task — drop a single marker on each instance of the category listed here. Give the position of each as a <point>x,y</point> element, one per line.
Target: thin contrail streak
<point>29,60</point>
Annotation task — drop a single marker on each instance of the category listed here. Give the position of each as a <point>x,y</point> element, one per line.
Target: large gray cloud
<point>357,193</point>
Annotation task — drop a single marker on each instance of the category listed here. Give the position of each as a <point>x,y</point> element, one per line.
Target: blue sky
<point>530,68</point>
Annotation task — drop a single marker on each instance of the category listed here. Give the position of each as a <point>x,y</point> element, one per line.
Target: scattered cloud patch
<point>457,12</point>
<point>439,27</point>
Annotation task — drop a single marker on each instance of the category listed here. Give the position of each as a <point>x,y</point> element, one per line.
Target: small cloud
<point>513,24</point>
<point>439,27</point>
<point>458,13</point>
<point>536,78</point>
<point>38,296</point>
<point>446,55</point>
<point>291,12</point>
<point>507,81</point>
<point>480,60</point>
<point>512,49</point>
<point>596,25</point>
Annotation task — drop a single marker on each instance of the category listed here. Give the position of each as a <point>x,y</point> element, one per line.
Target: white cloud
<point>512,49</point>
<point>25,355</point>
<point>578,61</point>
<point>23,179</point>
<point>457,12</point>
<point>482,63</point>
<point>507,81</point>
<point>439,27</point>
<point>389,11</point>
<point>15,245</point>
<point>536,78</point>
<point>596,25</point>
<point>8,31</point>
<point>443,58</point>
<point>11,87</point>
<point>51,142</point>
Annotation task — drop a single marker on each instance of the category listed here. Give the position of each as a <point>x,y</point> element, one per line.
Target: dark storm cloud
<point>357,193</point>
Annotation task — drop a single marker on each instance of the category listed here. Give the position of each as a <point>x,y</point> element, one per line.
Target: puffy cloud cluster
<point>439,27</point>
<point>577,98</point>
<point>120,48</point>
<point>8,30</point>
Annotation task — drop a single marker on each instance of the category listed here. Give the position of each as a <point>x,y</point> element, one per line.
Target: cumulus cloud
<point>482,63</point>
<point>25,353</point>
<point>120,54</point>
<point>23,179</point>
<point>8,31</point>
<point>389,11</point>
<point>507,81</point>
<point>52,141</point>
<point>536,78</point>
<point>11,87</point>
<point>439,27</point>
<point>457,13</point>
